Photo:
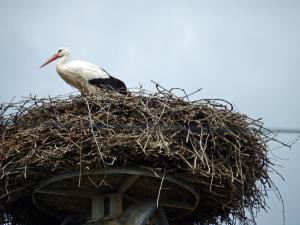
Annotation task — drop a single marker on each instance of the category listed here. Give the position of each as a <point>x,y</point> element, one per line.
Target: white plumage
<point>85,76</point>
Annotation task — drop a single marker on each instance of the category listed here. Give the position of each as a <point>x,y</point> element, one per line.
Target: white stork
<point>86,77</point>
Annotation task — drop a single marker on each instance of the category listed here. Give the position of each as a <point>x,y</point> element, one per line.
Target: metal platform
<point>115,196</point>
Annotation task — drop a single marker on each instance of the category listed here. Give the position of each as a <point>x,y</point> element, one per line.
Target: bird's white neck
<point>60,65</point>
<point>63,60</point>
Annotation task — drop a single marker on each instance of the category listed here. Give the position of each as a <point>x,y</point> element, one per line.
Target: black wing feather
<point>110,83</point>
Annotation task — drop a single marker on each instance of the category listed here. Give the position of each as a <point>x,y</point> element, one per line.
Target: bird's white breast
<point>78,74</point>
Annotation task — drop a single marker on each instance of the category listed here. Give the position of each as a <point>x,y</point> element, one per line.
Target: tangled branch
<point>205,142</point>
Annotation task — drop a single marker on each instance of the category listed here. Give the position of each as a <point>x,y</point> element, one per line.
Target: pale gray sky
<point>247,52</point>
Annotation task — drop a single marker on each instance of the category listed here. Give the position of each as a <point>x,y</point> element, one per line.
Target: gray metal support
<point>128,183</point>
<point>97,209</point>
<point>138,214</point>
<point>106,207</point>
<point>115,206</point>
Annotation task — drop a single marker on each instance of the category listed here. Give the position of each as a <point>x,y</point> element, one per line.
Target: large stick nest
<point>222,153</point>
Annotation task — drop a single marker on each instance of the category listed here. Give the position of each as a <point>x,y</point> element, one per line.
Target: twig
<point>160,187</point>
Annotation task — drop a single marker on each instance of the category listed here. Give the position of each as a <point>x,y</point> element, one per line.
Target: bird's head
<point>61,52</point>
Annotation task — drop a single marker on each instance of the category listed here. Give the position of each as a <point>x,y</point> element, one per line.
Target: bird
<point>84,76</point>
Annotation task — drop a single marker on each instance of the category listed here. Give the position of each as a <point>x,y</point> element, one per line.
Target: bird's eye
<point>59,50</point>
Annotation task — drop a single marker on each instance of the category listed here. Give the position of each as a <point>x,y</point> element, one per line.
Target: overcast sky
<point>245,51</point>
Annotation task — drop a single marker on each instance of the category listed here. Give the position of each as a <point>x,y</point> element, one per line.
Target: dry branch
<point>221,152</point>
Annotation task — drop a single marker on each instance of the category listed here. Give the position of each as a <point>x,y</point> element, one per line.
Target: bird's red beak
<point>52,58</point>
